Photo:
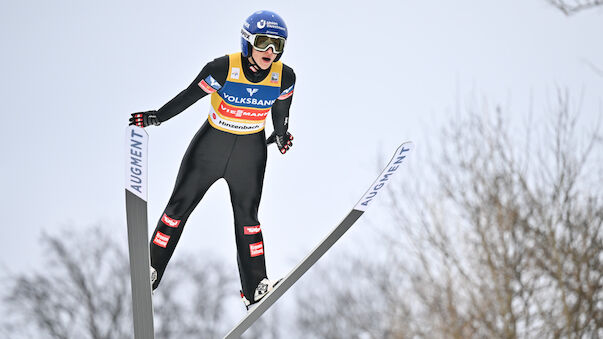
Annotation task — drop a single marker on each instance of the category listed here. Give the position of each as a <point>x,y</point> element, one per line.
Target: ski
<point>138,242</point>
<point>370,195</point>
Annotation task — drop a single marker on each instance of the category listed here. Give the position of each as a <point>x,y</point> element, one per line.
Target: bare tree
<point>502,240</point>
<point>349,297</point>
<point>269,326</point>
<point>192,299</point>
<point>570,7</point>
<point>84,292</point>
<point>521,245</point>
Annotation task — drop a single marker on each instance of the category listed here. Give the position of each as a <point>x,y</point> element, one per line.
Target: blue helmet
<point>265,23</point>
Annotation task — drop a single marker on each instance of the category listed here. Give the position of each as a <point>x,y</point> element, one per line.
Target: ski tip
<point>133,129</point>
<point>392,167</point>
<point>409,145</point>
<point>136,162</point>
<point>404,149</point>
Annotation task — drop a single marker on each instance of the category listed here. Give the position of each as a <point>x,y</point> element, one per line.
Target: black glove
<point>283,142</point>
<point>144,119</point>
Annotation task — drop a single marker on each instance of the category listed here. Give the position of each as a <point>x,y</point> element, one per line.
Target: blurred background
<point>493,229</point>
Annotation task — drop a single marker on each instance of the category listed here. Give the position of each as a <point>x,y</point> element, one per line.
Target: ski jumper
<point>231,144</point>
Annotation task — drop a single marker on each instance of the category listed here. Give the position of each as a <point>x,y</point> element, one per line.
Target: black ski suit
<point>231,144</point>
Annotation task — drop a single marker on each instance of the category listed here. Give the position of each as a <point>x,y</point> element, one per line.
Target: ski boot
<point>153,278</point>
<point>264,287</point>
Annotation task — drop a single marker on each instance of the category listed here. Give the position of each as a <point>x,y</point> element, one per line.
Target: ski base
<point>138,242</point>
<point>375,189</point>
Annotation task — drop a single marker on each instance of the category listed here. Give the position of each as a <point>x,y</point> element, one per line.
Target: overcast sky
<point>370,74</point>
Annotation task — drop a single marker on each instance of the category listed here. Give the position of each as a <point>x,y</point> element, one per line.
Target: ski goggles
<point>262,42</point>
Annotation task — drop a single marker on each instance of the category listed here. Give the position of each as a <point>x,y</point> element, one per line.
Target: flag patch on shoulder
<point>209,85</point>
<point>286,93</point>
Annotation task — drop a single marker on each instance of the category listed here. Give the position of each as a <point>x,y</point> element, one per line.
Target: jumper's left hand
<point>283,142</point>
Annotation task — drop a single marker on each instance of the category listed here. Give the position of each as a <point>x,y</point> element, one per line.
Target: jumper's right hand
<point>144,119</point>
